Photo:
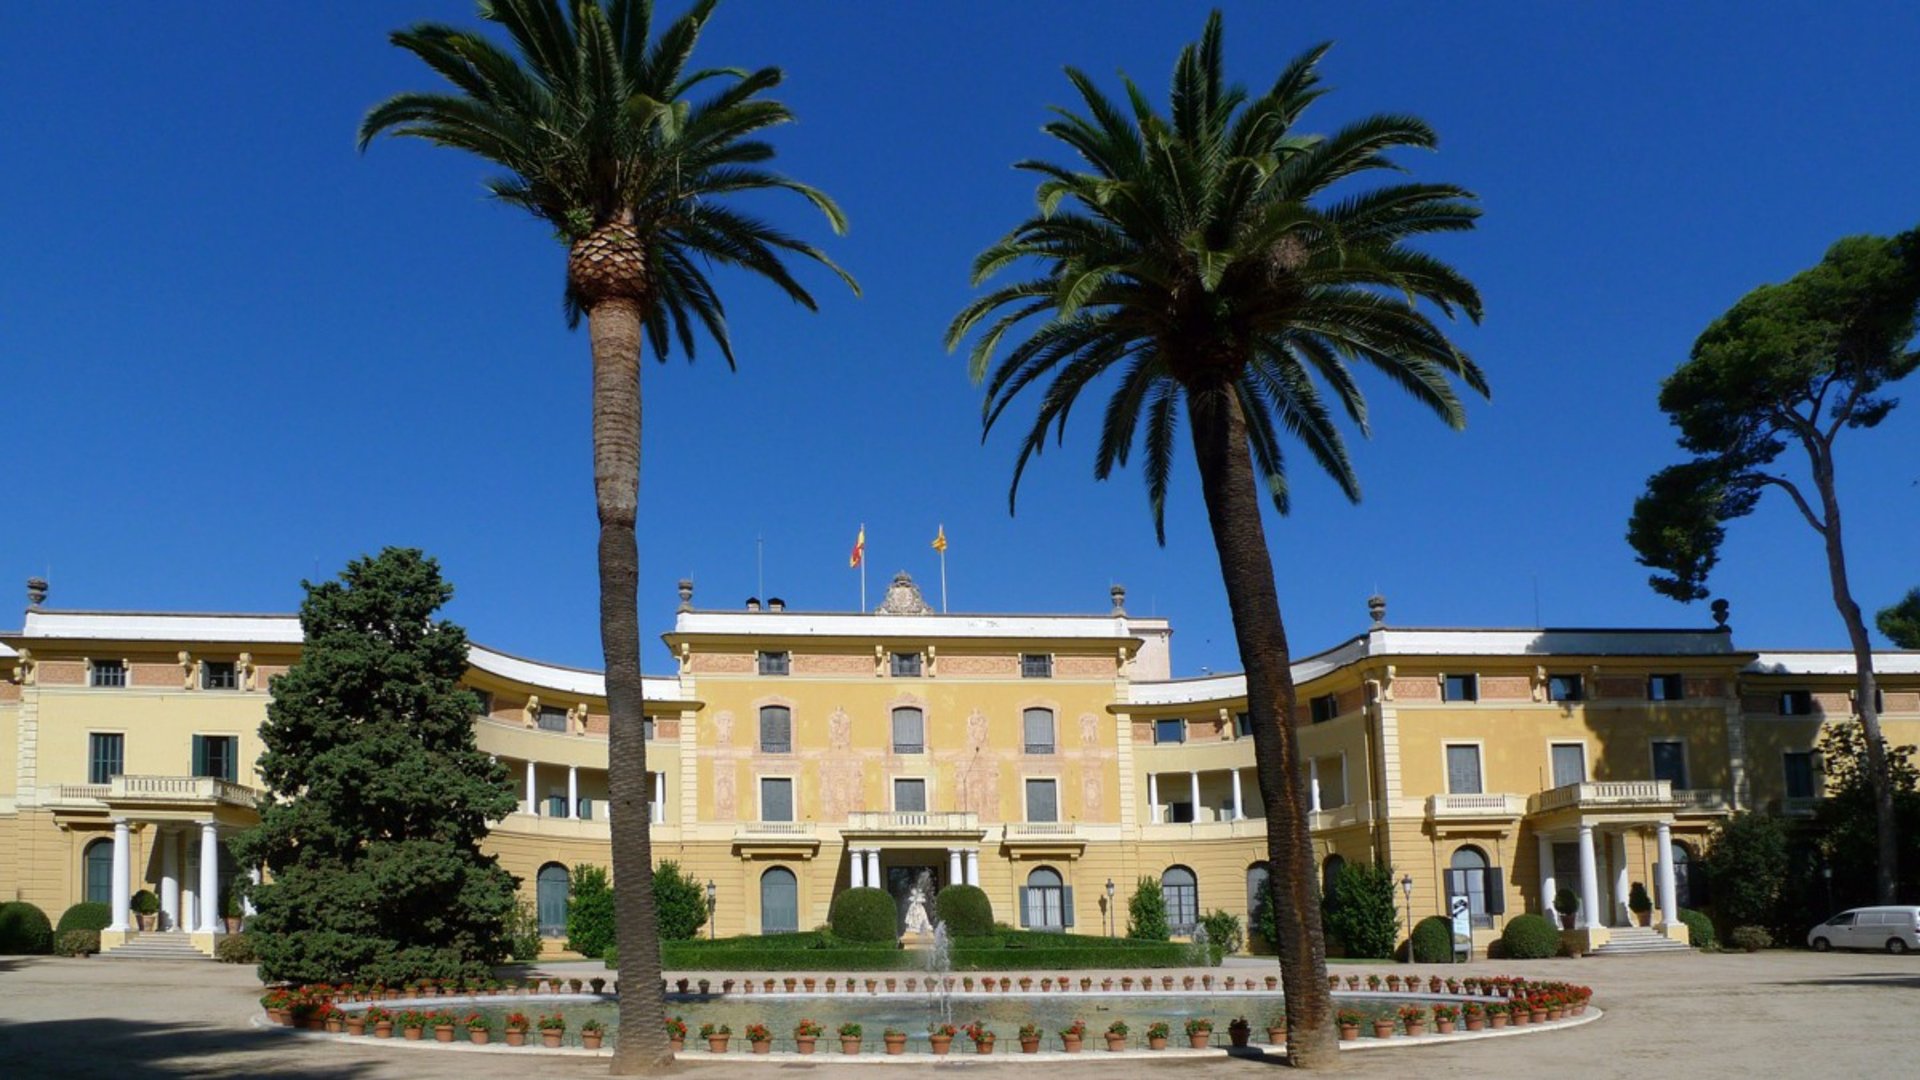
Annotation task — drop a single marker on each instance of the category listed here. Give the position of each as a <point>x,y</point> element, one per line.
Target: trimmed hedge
<point>965,909</point>
<point>1751,938</point>
<point>1432,941</point>
<point>235,949</point>
<point>1699,928</point>
<point>864,914</point>
<point>76,942</point>
<point>85,916</point>
<point>24,930</point>
<point>1530,937</point>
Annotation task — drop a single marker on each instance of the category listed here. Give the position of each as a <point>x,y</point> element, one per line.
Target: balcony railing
<point>194,788</point>
<point>1603,795</point>
<point>1040,832</point>
<point>1478,805</point>
<point>913,821</point>
<point>75,793</point>
<point>1702,799</point>
<point>774,828</point>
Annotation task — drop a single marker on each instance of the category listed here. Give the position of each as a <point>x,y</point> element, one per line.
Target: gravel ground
<point>1779,1014</point>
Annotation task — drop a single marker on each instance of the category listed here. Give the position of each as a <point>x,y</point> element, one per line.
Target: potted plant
<point>940,1037</point>
<point>806,1033</point>
<point>1475,1015</point>
<point>1073,1035</point>
<point>146,908</point>
<point>1567,903</point>
<point>1239,1032</point>
<point>1126,982</point>
<point>1538,1006</point>
<point>1496,1014</point>
<point>1276,1029</point>
<point>591,1033</point>
<point>1353,982</point>
<point>807,983</point>
<point>443,1025</point>
<point>1415,1019</point>
<point>896,1040</point>
<point>1383,1027</point>
<point>1444,1017</point>
<point>982,1037</point>
<point>850,1038</point>
<point>1086,983</point>
<point>1349,1021</point>
<point>966,983</point>
<point>1393,983</point>
<point>716,1036</point>
<point>1029,1038</point>
<point>1117,1035</point>
<point>1199,1032</point>
<point>677,1034</point>
<point>759,1038</point>
<point>1026,983</point>
<point>1373,982</point>
<point>1157,1033</point>
<point>355,1023</point>
<point>478,1030</point>
<point>381,1020</point>
<point>552,1027</point>
<point>331,1018</point>
<point>413,1024</point>
<point>1640,903</point>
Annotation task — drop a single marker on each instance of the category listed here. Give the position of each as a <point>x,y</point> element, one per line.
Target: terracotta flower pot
<point>1116,1043</point>
<point>1030,1046</point>
<point>1349,1031</point>
<point>443,1033</point>
<point>1199,1040</point>
<point>1070,1043</point>
<point>591,1039</point>
<point>335,1025</point>
<point>677,1045</point>
<point>1476,1023</point>
<point>1240,1034</point>
<point>896,1044</point>
<point>1497,1020</point>
<point>383,1029</point>
<point>1443,1027</point>
<point>717,1044</point>
<point>1273,981</point>
<point>516,1038</point>
<point>808,983</point>
<point>1026,985</point>
<point>282,1017</point>
<point>984,1046</point>
<point>804,1043</point>
<point>414,1033</point>
<point>1276,1036</point>
<point>1539,1017</point>
<point>1414,1031</point>
<point>550,1038</point>
<point>357,1026</point>
<point>891,983</point>
<point>1383,1029</point>
<point>849,1044</point>
<point>789,984</point>
<point>477,1036</point>
<point>940,1043</point>
<point>1156,1042</point>
<point>763,1046</point>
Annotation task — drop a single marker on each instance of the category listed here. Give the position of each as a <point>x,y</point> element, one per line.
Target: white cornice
<point>1831,663</point>
<point>919,627</point>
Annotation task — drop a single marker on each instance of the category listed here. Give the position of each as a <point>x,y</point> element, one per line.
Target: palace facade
<point>1051,759</point>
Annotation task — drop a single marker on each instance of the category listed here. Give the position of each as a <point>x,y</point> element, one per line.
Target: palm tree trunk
<point>1246,569</point>
<point>614,327</point>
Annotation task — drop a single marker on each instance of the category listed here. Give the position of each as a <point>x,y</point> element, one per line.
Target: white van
<point>1895,929</point>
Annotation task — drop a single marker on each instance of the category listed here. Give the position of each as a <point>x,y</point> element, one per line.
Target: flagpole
<point>943,581</point>
<point>863,568</point>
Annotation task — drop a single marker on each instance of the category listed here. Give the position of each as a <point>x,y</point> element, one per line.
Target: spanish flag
<point>940,540</point>
<point>859,548</point>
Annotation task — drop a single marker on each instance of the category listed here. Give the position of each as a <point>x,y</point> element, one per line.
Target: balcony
<point>1063,837</point>
<point>1703,801</point>
<point>794,837</point>
<point>173,789</point>
<point>1606,795</point>
<point>944,824</point>
<point>1475,807</point>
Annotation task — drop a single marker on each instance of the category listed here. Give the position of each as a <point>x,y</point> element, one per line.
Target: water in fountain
<point>1202,957</point>
<point>940,975</point>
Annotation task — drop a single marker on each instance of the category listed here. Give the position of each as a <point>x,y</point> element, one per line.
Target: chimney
<point>774,603</point>
<point>753,603</point>
<point>36,593</point>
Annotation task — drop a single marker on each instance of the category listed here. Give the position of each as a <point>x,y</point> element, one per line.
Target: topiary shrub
<point>1530,937</point>
<point>235,949</point>
<point>965,909</point>
<point>24,930</point>
<point>1433,940</point>
<point>679,902</point>
<point>1750,938</point>
<point>1362,911</point>
<point>76,942</point>
<point>85,916</point>
<point>589,910</point>
<point>864,914</point>
<point>1224,931</point>
<point>1699,928</point>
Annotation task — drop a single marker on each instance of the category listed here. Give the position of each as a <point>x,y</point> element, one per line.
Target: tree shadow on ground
<point>1889,980</point>
<point>149,1050</point>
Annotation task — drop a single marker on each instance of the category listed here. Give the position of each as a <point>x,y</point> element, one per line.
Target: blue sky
<point>235,353</point>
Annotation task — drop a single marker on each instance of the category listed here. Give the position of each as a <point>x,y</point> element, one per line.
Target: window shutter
<point>199,755</point>
<point>1066,907</point>
<point>1025,919</point>
<point>1496,895</point>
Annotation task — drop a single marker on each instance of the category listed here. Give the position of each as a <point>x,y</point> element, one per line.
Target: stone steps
<point>155,947</point>
<point>1637,941</point>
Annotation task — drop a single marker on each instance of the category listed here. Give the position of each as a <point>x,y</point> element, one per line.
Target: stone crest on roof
<point>903,598</point>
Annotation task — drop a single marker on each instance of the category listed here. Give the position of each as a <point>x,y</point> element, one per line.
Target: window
<point>1569,764</point>
<point>107,673</point>
<point>1043,801</point>
<point>219,675</point>
<point>1796,703</point>
<point>1179,813</point>
<point>556,806</point>
<point>1242,725</point>
<point>486,701</point>
<point>1688,891</point>
<point>1460,688</point>
<point>656,798</point>
<point>1799,766</point>
<point>1566,688</point>
<point>99,872</point>
<point>553,718</point>
<point>1330,876</point>
<point>646,728</point>
<point>550,890</point>
<point>1463,770</point>
<point>1046,904</point>
<point>909,731</point>
<point>776,730</point>
<point>1173,730</point>
<point>779,901</point>
<point>1036,666</point>
<point>1038,727</point>
<point>1257,898</point>
<point>1324,708</point>
<point>1470,876</point>
<point>1182,892</point>
<point>1670,762</point>
<point>217,756</point>
<point>776,663</point>
<point>776,799</point>
<point>906,665</point>
<point>910,796</point>
<point>1666,688</point>
<point>586,810</point>
<point>106,755</point>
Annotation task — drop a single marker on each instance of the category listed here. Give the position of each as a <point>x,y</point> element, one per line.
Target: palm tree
<point>1197,257</point>
<point>594,128</point>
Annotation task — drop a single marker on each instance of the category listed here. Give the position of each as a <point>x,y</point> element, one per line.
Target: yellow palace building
<point>1050,759</point>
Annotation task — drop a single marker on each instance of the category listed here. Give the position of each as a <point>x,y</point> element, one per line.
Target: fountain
<point>940,976</point>
<point>1202,956</point>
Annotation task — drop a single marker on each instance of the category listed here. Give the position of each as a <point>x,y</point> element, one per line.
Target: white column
<point>1621,886</point>
<point>956,867</point>
<point>122,874</point>
<point>1313,784</point>
<point>169,880</point>
<point>1669,901</point>
<point>873,869</point>
<point>1547,885</point>
<point>973,867</point>
<point>573,792</point>
<point>210,877</point>
<point>1193,791</point>
<point>1153,798</point>
<point>532,807</point>
<point>1238,811</point>
<point>189,883</point>
<point>246,903</point>
<point>1589,879</point>
<point>857,867</point>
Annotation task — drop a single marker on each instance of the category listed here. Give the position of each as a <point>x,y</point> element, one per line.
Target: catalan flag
<point>859,549</point>
<point>940,540</point>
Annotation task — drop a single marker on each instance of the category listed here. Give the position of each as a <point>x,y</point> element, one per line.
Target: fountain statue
<point>1202,956</point>
<point>918,925</point>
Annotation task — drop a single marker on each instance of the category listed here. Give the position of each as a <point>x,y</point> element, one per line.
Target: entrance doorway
<point>1566,875</point>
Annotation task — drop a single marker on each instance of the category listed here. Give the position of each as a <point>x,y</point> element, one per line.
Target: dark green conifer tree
<point>376,797</point>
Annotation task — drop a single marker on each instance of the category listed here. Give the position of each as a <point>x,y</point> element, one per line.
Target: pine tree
<point>377,797</point>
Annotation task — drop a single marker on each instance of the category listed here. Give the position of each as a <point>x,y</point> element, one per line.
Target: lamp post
<point>1109,907</point>
<point>712,900</point>
<point>1406,889</point>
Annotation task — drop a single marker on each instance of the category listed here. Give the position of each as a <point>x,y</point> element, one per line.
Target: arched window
<point>1036,726</point>
<point>776,730</point>
<point>1257,899</point>
<point>1467,877</point>
<point>1182,891</point>
<point>909,731</point>
<point>99,871</point>
<point>1330,876</point>
<point>1046,903</point>
<point>550,891</point>
<point>779,901</point>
